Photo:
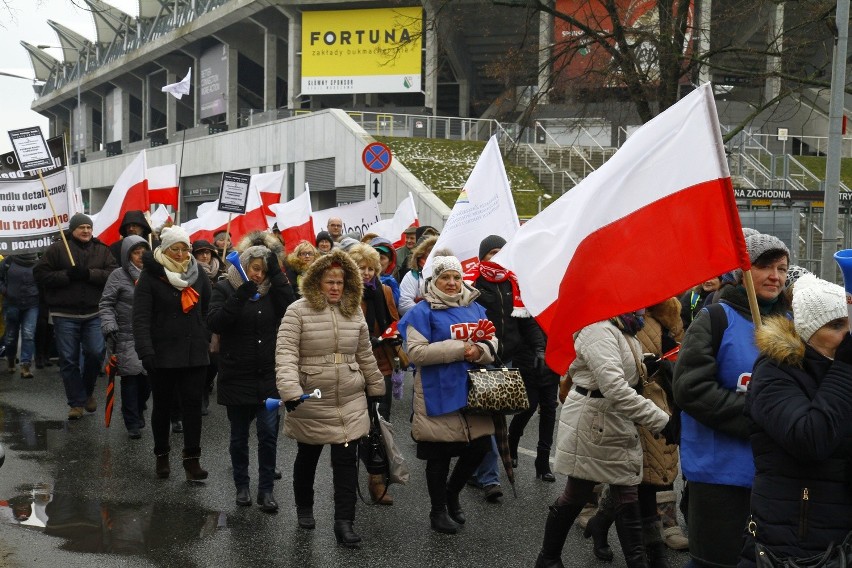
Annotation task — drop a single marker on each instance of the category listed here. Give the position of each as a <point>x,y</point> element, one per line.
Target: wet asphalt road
<point>108,508</point>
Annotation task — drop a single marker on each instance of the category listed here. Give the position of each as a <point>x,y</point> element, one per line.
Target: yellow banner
<point>375,50</point>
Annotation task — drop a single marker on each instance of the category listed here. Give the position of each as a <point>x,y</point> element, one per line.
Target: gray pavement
<point>109,509</point>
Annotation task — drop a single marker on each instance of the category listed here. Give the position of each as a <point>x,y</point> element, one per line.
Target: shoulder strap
<point>718,324</point>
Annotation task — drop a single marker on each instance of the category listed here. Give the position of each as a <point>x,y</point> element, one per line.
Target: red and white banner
<point>269,186</point>
<point>163,185</point>
<point>130,192</point>
<point>357,217</point>
<point>654,220</point>
<point>294,220</point>
<point>403,218</point>
<point>484,207</point>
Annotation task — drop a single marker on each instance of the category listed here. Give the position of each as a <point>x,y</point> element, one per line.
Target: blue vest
<point>707,455</point>
<point>444,384</point>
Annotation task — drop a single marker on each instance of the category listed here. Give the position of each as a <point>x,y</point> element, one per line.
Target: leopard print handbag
<point>496,391</point>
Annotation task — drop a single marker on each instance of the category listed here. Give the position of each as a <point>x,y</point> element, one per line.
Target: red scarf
<point>495,273</point>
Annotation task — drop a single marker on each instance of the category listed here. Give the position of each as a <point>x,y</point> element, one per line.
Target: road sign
<point>376,157</point>
<point>374,187</point>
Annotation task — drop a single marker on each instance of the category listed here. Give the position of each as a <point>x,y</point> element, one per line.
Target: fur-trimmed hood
<point>262,238</point>
<point>777,340</point>
<point>667,313</point>
<point>353,286</point>
<point>421,250</point>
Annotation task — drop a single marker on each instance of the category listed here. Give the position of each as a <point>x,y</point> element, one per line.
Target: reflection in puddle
<point>108,527</point>
<point>20,431</point>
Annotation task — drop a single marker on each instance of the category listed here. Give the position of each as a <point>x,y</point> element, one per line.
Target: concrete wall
<point>325,134</point>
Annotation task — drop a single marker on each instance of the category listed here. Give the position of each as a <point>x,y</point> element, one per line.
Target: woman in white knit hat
<point>800,403</point>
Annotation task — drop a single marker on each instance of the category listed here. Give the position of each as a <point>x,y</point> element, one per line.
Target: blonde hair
<point>362,253</point>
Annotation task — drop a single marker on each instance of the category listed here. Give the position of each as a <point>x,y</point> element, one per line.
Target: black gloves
<point>538,362</point>
<point>373,400</point>
<point>291,405</point>
<point>375,341</point>
<point>844,350</point>
<point>667,343</point>
<point>149,362</point>
<point>246,290</point>
<point>651,363</point>
<point>272,266</point>
<point>77,273</point>
<point>671,431</point>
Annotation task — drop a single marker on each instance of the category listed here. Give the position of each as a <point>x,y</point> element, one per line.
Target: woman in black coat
<point>246,315</point>
<point>171,338</point>
<point>800,402</point>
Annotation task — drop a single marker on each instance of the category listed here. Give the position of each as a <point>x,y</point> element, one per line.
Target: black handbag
<point>371,448</point>
<point>835,556</point>
<point>496,391</point>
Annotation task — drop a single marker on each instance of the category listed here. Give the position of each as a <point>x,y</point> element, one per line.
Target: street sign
<point>374,187</point>
<point>376,157</point>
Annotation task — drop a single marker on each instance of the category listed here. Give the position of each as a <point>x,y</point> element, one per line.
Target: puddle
<point>21,432</point>
<point>94,526</point>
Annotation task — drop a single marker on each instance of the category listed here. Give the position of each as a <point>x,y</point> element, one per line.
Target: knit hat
<point>794,273</point>
<point>815,303</point>
<point>443,263</point>
<point>760,244</point>
<point>170,236</point>
<point>747,232</point>
<point>79,219</point>
<point>490,242</point>
<point>324,236</point>
<point>347,243</point>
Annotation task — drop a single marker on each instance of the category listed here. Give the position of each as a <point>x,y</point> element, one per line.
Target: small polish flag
<point>294,220</point>
<point>163,185</point>
<point>130,192</point>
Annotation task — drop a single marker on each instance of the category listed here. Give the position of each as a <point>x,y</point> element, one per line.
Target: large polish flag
<point>654,220</point>
<point>295,221</point>
<point>163,185</point>
<point>484,207</point>
<point>392,229</point>
<point>130,192</point>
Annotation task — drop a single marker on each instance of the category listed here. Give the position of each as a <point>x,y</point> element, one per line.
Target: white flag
<point>403,218</point>
<point>484,207</point>
<point>180,89</point>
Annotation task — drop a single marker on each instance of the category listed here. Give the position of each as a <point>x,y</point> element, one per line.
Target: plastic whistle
<point>273,403</point>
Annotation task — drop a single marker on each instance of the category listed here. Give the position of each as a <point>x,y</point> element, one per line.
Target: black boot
<point>345,535</point>
<point>628,526</point>
<point>305,517</point>
<point>454,508</point>
<point>598,529</point>
<point>442,523</point>
<point>191,465</point>
<point>559,521</point>
<point>542,466</point>
<point>514,441</point>
<point>652,538</point>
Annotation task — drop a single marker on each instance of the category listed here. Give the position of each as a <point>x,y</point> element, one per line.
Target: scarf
<point>133,271</point>
<point>629,323</point>
<point>211,269</point>
<point>236,280</point>
<point>181,275</point>
<point>495,273</point>
<point>375,308</point>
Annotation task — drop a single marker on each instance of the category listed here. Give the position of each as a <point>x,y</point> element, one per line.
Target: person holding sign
<point>72,292</point>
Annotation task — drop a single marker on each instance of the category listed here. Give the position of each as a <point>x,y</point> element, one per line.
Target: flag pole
<point>56,217</point>
<point>752,298</point>
<point>180,170</point>
<point>227,236</point>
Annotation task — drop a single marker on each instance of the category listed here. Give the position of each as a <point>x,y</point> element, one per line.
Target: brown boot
<point>25,371</point>
<point>378,490</point>
<point>163,469</point>
<point>671,532</point>
<point>192,467</point>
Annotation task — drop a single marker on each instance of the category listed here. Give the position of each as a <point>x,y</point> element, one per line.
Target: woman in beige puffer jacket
<point>323,343</point>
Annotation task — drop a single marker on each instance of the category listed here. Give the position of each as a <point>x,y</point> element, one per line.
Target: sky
<point>28,22</point>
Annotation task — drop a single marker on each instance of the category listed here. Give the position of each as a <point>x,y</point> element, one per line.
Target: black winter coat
<point>529,358</point>
<point>247,331</point>
<point>161,328</point>
<point>497,299</point>
<point>800,406</point>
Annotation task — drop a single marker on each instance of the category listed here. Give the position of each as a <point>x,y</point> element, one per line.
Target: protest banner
<point>26,221</point>
<point>357,217</point>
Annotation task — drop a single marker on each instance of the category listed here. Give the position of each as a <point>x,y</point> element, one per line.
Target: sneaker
<point>493,493</point>
<point>91,404</point>
<point>76,413</point>
<point>25,371</point>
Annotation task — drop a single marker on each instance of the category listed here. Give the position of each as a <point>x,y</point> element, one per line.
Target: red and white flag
<point>163,185</point>
<point>484,207</point>
<point>392,229</point>
<point>294,220</point>
<point>130,192</point>
<point>654,220</point>
<point>269,186</point>
<point>160,217</point>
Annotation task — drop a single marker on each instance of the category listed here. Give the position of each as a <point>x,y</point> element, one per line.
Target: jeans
<point>344,470</point>
<point>488,472</point>
<point>241,417</point>
<point>23,321</point>
<point>135,390</point>
<point>188,382</point>
<point>74,336</point>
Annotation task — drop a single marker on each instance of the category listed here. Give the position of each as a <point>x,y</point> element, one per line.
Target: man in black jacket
<point>72,294</point>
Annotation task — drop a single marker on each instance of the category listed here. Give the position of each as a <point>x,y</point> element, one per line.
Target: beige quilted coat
<point>311,333</point>
<point>454,426</point>
<point>597,438</point>
<point>660,458</point>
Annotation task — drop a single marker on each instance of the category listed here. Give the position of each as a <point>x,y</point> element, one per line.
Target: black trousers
<point>438,467</point>
<point>545,397</point>
<point>166,384</point>
<point>344,469</point>
<point>135,390</point>
<point>581,491</point>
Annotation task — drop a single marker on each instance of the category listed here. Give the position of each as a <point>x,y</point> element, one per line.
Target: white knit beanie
<point>762,243</point>
<point>443,263</point>
<point>172,235</point>
<point>815,303</point>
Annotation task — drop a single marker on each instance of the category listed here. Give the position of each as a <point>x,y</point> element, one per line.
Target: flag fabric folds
<point>181,88</point>
<point>392,229</point>
<point>654,220</point>
<point>129,192</point>
<point>294,220</point>
<point>163,185</point>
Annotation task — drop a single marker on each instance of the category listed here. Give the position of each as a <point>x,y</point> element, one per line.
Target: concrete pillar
<point>464,98</point>
<point>171,108</point>
<point>430,83</point>
<point>270,70</point>
<point>545,52</point>
<point>294,64</point>
<point>705,9</point>
<point>775,41</point>
<point>146,111</point>
<point>124,98</point>
<point>231,100</point>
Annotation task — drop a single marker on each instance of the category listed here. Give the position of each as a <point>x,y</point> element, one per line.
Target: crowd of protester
<point>757,419</point>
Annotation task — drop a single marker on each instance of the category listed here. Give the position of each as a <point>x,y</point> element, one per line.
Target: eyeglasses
<point>306,253</point>
<point>179,250</point>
